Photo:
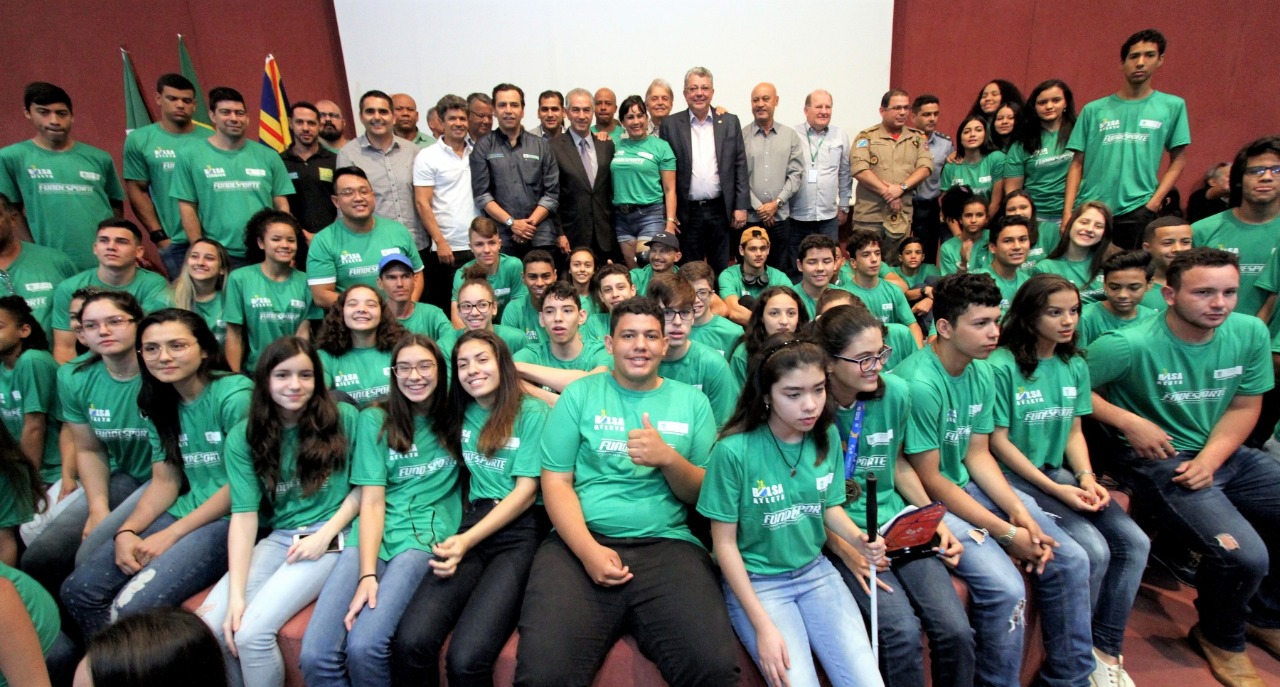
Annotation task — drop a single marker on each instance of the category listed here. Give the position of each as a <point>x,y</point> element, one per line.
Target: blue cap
<point>393,259</point>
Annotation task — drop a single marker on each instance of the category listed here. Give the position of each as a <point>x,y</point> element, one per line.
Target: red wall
<point>1216,59</point>
<point>76,45</point>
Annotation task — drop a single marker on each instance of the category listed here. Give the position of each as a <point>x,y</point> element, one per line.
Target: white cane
<point>873,526</point>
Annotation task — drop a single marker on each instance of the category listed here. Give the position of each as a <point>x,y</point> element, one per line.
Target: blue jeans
<point>479,604</point>
<point>173,257</point>
<point>333,656</point>
<point>1063,593</point>
<point>644,221</point>
<point>59,549</point>
<point>812,611</point>
<point>1233,524</point>
<point>99,593</point>
<point>275,591</point>
<point>922,595</point>
<point>1117,549</point>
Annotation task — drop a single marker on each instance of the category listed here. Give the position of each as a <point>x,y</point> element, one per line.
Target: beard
<point>330,134</point>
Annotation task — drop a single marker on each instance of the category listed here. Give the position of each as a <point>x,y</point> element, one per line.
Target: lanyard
<point>813,155</point>
<point>855,431</point>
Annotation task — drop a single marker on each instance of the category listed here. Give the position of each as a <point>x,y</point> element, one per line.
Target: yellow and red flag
<point>273,119</point>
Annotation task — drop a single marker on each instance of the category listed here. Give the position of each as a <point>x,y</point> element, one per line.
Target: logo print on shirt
<point>1167,378</point>
<point>766,493</point>
<point>605,422</point>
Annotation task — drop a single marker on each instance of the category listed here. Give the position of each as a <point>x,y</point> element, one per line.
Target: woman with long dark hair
<point>478,578</point>
<point>1084,246</point>
<point>980,164</point>
<point>28,387</point>
<point>869,407</point>
<point>355,345</point>
<point>1038,159</point>
<point>779,453</point>
<point>291,460</point>
<point>268,298</point>
<point>778,310</point>
<point>994,93</point>
<point>1042,389</point>
<point>159,648</point>
<point>409,502</point>
<point>1048,233</point>
<point>174,543</point>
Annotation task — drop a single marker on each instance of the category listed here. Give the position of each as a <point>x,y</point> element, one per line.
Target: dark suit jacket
<point>585,212</point>
<point>731,156</point>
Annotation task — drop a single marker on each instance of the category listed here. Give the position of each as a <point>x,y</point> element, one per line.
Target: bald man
<point>606,103</point>
<point>774,174</point>
<point>822,203</point>
<point>405,110</point>
<point>333,125</point>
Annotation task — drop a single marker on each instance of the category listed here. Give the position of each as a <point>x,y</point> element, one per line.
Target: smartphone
<point>337,544</point>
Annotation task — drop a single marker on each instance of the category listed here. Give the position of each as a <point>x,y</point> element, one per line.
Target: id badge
<point>813,175</point>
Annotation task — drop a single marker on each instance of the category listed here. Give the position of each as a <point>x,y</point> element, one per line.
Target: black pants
<point>437,277</point>
<point>673,607</point>
<point>780,255</point>
<point>926,224</point>
<point>704,235</point>
<point>479,605</point>
<point>1127,229</point>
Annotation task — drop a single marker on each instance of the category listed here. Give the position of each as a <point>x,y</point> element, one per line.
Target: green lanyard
<point>813,155</point>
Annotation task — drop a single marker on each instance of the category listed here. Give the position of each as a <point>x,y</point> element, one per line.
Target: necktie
<point>586,162</point>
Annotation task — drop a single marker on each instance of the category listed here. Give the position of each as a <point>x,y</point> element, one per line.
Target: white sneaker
<point>1105,675</point>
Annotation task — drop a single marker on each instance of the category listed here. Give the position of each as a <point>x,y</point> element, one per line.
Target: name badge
<point>813,175</point>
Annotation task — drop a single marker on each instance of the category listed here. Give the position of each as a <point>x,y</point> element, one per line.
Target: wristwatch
<point>511,221</point>
<point>904,187</point>
<point>1006,540</point>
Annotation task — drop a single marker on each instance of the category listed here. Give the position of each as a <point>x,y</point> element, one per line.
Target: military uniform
<point>892,161</point>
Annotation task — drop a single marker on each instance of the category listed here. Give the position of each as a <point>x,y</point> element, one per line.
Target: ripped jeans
<point>1234,524</point>
<point>1062,593</point>
<point>98,593</point>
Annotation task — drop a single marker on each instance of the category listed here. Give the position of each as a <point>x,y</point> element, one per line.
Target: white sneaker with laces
<point>1106,675</point>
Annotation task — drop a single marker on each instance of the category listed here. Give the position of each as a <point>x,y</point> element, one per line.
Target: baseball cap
<point>662,238</point>
<point>753,233</point>
<point>393,259</point>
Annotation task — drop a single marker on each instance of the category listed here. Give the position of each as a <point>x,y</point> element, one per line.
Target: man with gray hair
<point>479,117</point>
<point>585,214</point>
<point>822,203</point>
<point>711,173</point>
<point>658,100</point>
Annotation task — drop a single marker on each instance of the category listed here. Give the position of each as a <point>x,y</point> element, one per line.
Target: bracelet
<point>1006,540</point>
<point>373,575</point>
<point>671,219</point>
<point>120,532</point>
<point>1082,473</point>
<point>158,235</point>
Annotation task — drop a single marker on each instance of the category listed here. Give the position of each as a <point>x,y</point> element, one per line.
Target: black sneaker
<point>1182,563</point>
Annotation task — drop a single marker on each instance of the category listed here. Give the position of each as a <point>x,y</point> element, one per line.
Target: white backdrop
<point>428,48</point>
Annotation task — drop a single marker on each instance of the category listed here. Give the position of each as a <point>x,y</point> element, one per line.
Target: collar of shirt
<point>466,147</point>
<point>577,140</point>
<point>366,143</point>
<point>693,118</point>
<point>809,129</point>
<point>757,129</point>
<point>321,154</point>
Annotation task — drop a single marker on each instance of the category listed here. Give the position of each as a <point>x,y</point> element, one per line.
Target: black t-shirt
<point>312,179</point>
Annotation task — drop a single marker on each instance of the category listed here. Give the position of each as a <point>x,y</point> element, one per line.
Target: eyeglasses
<point>349,192</point>
<point>868,363</point>
<point>110,323</point>
<point>404,370</point>
<point>702,294</point>
<point>1263,169</point>
<point>479,306</point>
<point>431,525</point>
<point>176,349</point>
<point>671,314</point>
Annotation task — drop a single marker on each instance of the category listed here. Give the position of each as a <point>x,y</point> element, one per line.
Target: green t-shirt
<point>493,477</point>
<point>507,282</point>
<point>423,497</point>
<point>706,370</point>
<point>1268,283</point>
<point>151,155</point>
<point>616,135</point>
<point>595,328</point>
<point>109,407</point>
<point>1253,244</point>
<point>213,313</point>
<point>150,289</point>
<point>641,276</point>
<point>915,281</point>
<point>637,169</point>
<point>720,333</point>
<point>1123,142</point>
<point>1048,234</point>
<point>40,606</point>
<point>591,356</point>
<point>228,187</point>
<point>946,410</point>
<point>1044,173</point>
<point>205,423</point>
<point>57,412</point>
<point>886,301</point>
<point>593,418</point>
<point>779,511</point>
<point>32,387</point>
<point>16,506</point>
<point>288,508</point>
<point>521,314</point>
<point>64,194</point>
<point>345,258</point>
<point>1154,298</point>
<point>1008,287</point>
<point>903,343</point>
<point>1039,411</point>
<point>1183,388</point>
<point>512,337</point>
<point>879,447</point>
<point>949,255</point>
<point>979,176</point>
<point>730,282</point>
<point>429,320</point>
<point>364,374</point>
<point>1076,272</point>
<point>738,364</point>
<point>811,304</point>
<point>35,275</point>
<point>1096,319</point>
<point>264,308</point>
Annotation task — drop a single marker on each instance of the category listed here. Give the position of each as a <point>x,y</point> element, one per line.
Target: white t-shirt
<point>454,206</point>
